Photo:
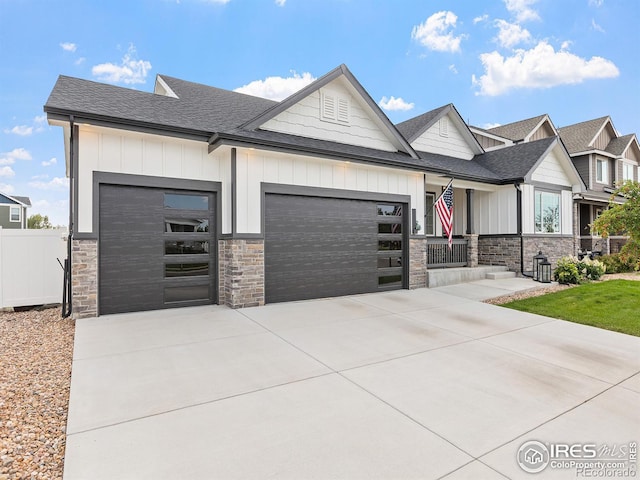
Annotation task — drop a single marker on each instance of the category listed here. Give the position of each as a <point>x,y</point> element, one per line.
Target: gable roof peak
<point>520,130</point>
<point>340,71</point>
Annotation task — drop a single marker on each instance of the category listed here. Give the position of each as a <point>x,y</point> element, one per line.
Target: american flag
<point>444,207</point>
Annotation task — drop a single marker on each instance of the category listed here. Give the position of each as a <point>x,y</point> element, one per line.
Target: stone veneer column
<point>84,277</point>
<point>472,249</point>
<point>417,262</point>
<point>241,272</point>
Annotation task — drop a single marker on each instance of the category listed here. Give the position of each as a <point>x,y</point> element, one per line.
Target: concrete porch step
<point>500,275</point>
<point>451,276</point>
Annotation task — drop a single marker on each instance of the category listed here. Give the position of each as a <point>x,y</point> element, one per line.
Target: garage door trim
<point>168,185</point>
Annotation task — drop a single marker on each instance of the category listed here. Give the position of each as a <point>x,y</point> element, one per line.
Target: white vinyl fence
<point>29,270</point>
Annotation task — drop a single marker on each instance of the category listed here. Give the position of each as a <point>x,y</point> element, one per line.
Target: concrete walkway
<point>424,384</point>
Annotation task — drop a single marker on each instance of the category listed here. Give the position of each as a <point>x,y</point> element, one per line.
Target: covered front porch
<point>471,216</point>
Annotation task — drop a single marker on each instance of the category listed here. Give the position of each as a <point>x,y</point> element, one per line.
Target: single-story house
<point>193,194</point>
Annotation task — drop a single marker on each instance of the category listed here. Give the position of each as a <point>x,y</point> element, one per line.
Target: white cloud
<point>511,34</point>
<point>488,126</point>
<point>217,2</point>
<point>436,33</point>
<point>596,3</point>
<point>7,161</point>
<point>79,61</point>
<point>521,9</point>
<point>22,130</point>
<point>453,68</point>
<point>539,67</point>
<point>6,188</point>
<point>481,18</point>
<point>26,130</point>
<point>53,161</point>
<point>281,3</point>
<point>6,172</point>
<point>394,103</point>
<point>596,27</point>
<point>56,183</point>
<point>19,154</point>
<point>129,71</point>
<point>43,176</point>
<point>40,204</point>
<point>68,46</point>
<point>277,88</point>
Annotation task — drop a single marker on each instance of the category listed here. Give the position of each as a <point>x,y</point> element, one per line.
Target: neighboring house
<point>194,195</point>
<point>13,211</point>
<point>603,158</point>
<point>528,130</point>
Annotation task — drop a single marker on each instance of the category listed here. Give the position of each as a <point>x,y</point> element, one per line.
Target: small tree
<point>38,221</point>
<point>623,218</point>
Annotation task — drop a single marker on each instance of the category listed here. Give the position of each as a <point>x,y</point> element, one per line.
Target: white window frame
<point>538,197</point>
<point>431,212</point>
<point>627,167</point>
<point>604,178</point>
<point>11,210</point>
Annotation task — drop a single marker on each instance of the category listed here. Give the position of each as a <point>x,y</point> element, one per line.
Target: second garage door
<point>323,247</point>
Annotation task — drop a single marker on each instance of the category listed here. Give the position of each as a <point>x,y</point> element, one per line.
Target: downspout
<point>519,228</point>
<point>67,304</point>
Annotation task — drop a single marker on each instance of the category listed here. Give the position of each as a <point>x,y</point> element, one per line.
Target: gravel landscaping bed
<point>36,349</point>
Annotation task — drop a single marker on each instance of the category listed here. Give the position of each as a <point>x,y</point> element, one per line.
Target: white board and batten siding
<point>29,270</point>
<point>496,213</point>
<point>254,167</point>
<point>444,138</point>
<point>117,151</point>
<point>356,125</point>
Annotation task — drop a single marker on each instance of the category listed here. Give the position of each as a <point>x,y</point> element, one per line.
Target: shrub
<point>590,269</point>
<point>617,263</point>
<point>571,270</point>
<point>566,271</point>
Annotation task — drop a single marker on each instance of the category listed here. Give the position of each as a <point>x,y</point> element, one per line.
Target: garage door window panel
<point>186,247</point>
<point>186,270</point>
<point>186,202</point>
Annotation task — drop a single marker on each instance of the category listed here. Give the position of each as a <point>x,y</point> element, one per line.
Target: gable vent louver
<point>343,110</point>
<point>334,108</point>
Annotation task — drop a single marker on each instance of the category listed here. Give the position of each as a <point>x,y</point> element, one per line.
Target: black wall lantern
<point>537,259</point>
<point>544,271</point>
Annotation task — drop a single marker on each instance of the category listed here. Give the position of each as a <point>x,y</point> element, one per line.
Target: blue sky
<point>497,61</point>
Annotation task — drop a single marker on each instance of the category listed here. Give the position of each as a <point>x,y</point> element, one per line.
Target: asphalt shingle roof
<point>211,111</point>
<point>411,128</point>
<point>516,161</point>
<point>577,137</point>
<point>617,146</point>
<point>198,108</point>
<point>25,200</point>
<point>517,131</point>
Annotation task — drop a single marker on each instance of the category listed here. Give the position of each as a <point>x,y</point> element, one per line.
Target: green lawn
<point>613,305</point>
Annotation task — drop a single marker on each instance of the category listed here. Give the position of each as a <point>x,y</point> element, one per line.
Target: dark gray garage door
<point>323,247</point>
<point>157,249</point>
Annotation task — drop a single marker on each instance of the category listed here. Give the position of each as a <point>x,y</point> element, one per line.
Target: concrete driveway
<point>407,384</point>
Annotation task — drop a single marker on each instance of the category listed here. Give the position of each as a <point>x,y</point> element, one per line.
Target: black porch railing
<point>440,256</point>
